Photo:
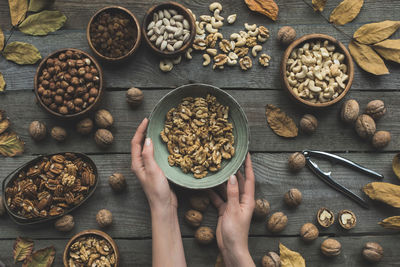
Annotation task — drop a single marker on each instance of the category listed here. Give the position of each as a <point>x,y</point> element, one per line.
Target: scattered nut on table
<point>261,209</point>
<point>104,218</point>
<point>372,252</point>
<point>286,35</point>
<point>277,222</point>
<point>308,123</point>
<point>58,133</point>
<point>296,162</point>
<point>103,138</point>
<point>347,219</point>
<point>134,97</point>
<point>84,126</point>
<point>309,232</point>
<point>65,224</point>
<point>350,110</point>
<point>325,217</point>
<point>293,197</point>
<point>117,182</point>
<point>365,126</point>
<point>381,139</point>
<point>37,130</point>
<point>271,259</point>
<point>331,247</point>
<point>204,235</point>
<point>193,218</point>
<point>199,201</point>
<point>103,118</point>
<point>376,109</point>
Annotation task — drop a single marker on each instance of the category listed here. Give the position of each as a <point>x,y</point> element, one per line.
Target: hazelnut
<point>193,218</point>
<point>2,207</point>
<point>297,161</point>
<point>271,259</point>
<point>286,35</point>
<point>365,126</point>
<point>103,118</point>
<point>350,111</point>
<point>85,126</point>
<point>204,235</point>
<point>65,223</point>
<point>199,201</point>
<point>309,232</point>
<point>325,217</point>
<point>103,137</point>
<point>293,197</point>
<point>381,139</point>
<point>134,97</point>
<point>372,252</point>
<point>37,130</point>
<point>104,218</point>
<point>58,133</point>
<point>308,124</point>
<point>261,209</point>
<point>331,247</point>
<point>347,219</point>
<point>117,182</point>
<point>277,222</point>
<point>376,109</point>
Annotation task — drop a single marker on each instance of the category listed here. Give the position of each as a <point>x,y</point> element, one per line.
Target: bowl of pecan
<point>68,83</point>
<point>200,135</point>
<point>49,187</point>
<point>91,248</point>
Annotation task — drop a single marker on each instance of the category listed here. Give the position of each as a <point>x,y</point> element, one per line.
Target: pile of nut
<point>91,251</point>
<point>168,30</point>
<point>50,187</point>
<point>317,72</point>
<point>198,135</point>
<point>68,83</point>
<point>113,34</point>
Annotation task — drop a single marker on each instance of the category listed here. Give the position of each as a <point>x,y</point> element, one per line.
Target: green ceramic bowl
<point>240,131</point>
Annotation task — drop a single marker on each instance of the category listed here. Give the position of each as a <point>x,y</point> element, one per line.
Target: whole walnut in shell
<point>376,109</point>
<point>309,232</point>
<point>65,224</point>
<point>85,126</point>
<point>193,218</point>
<point>293,197</point>
<point>134,97</point>
<point>104,218</point>
<point>2,207</point>
<point>271,259</point>
<point>365,126</point>
<point>331,247</point>
<point>37,130</point>
<point>58,133</point>
<point>297,161</point>
<point>277,222</point>
<point>350,111</point>
<point>117,182</point>
<point>286,35</point>
<point>372,252</point>
<point>103,137</point>
<point>261,209</point>
<point>381,139</point>
<point>199,201</point>
<point>204,235</point>
<point>103,118</point>
<point>308,123</point>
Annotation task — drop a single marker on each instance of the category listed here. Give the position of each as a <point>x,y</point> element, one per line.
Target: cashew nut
<point>254,33</point>
<point>233,55</point>
<point>214,6</point>
<point>199,30</point>
<point>292,81</point>
<point>231,62</point>
<point>216,24</point>
<point>205,18</point>
<point>303,73</point>
<point>235,36</point>
<point>262,39</point>
<point>324,52</point>
<point>255,50</point>
<point>313,88</point>
<point>231,18</point>
<point>343,68</point>
<point>308,60</point>
<point>240,42</point>
<point>250,27</point>
<point>306,46</point>
<point>188,54</point>
<point>166,65</point>
<point>217,16</point>
<point>340,82</point>
<point>218,35</point>
<point>210,29</point>
<point>207,59</point>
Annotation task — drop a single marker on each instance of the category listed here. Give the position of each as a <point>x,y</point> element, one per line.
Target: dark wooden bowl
<point>75,115</point>
<point>341,48</point>
<point>181,10</point>
<point>137,27</point>
<point>91,233</point>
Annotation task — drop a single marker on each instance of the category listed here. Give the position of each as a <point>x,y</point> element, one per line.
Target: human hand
<point>234,217</point>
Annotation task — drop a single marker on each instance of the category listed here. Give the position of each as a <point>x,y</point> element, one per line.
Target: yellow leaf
<point>18,10</point>
<point>384,192</point>
<point>2,83</point>
<point>346,11</point>
<point>367,58</point>
<point>290,258</point>
<point>391,223</point>
<point>396,165</point>
<point>280,123</point>
<point>375,32</point>
<point>4,124</point>
<point>11,145</point>
<point>21,53</point>
<point>22,248</point>
<point>1,40</point>
<point>389,49</point>
<point>42,23</point>
<point>319,5</point>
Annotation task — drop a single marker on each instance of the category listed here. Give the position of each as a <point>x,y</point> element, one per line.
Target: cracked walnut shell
<point>347,219</point>
<point>325,217</point>
<point>293,197</point>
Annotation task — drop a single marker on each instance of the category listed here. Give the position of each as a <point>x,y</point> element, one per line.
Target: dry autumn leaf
<point>290,258</point>
<point>41,258</point>
<point>4,124</point>
<point>38,5</point>
<point>389,49</point>
<point>396,165</point>
<point>319,5</point>
<point>384,192</point>
<point>346,11</point>
<point>11,145</point>
<point>21,53</point>
<point>280,123</point>
<point>1,40</point>
<point>18,9</point>
<point>375,32</point>
<point>43,23</point>
<point>22,249</point>
<point>391,223</point>
<point>2,83</point>
<point>367,58</point>
<point>266,7</point>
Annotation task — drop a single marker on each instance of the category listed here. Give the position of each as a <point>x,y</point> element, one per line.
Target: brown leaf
<point>346,11</point>
<point>391,223</point>
<point>375,32</point>
<point>21,53</point>
<point>389,49</point>
<point>319,5</point>
<point>396,165</point>
<point>11,145</point>
<point>290,258</point>
<point>384,192</point>
<point>2,83</point>
<point>280,123</point>
<point>4,124</point>
<point>1,40</point>
<point>22,249</point>
<point>18,9</point>
<point>367,58</point>
<point>41,258</point>
<point>266,7</point>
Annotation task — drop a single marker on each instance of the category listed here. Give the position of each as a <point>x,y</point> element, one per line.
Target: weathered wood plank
<point>132,216</point>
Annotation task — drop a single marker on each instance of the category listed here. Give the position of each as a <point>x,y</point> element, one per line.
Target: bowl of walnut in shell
<point>317,70</point>
<point>200,135</point>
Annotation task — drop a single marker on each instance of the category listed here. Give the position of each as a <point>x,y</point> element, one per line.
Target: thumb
<point>148,155</point>
<point>233,191</point>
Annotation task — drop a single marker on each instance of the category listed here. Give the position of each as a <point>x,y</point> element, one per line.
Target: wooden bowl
<point>181,10</point>
<point>339,46</point>
<point>137,28</point>
<point>75,115</point>
<point>91,233</point>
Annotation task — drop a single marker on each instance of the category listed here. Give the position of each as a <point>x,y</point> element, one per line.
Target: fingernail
<point>232,179</point>
<point>147,142</point>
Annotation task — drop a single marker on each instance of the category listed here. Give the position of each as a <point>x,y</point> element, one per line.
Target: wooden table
<point>253,89</point>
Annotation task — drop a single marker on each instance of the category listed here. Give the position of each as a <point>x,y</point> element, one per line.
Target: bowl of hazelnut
<point>113,33</point>
<point>317,70</point>
<point>169,29</point>
<point>68,83</point>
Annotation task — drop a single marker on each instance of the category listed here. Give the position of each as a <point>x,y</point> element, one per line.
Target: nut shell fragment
<point>347,219</point>
<point>325,217</point>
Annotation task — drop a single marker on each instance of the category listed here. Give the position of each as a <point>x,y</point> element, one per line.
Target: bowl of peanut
<point>317,70</point>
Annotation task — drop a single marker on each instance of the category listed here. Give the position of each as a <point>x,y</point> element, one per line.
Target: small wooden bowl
<point>137,27</point>
<point>339,46</point>
<point>91,233</point>
<point>181,10</point>
<point>75,115</point>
